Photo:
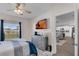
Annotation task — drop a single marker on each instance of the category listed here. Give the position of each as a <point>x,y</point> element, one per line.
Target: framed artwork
<point>42,24</point>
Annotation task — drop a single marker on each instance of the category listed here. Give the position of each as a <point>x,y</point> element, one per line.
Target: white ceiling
<point>35,8</point>
<point>65,16</point>
<point>65,19</point>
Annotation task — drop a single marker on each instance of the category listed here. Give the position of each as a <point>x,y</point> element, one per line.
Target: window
<point>11,30</point>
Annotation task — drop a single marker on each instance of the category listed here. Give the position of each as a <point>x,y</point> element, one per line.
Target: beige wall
<point>27,29</point>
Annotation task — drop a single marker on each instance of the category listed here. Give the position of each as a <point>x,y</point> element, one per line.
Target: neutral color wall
<point>27,29</point>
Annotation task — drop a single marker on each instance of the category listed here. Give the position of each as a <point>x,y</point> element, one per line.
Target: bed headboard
<point>40,41</point>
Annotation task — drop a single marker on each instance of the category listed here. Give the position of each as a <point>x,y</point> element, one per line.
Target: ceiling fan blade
<point>10,10</point>
<point>28,11</point>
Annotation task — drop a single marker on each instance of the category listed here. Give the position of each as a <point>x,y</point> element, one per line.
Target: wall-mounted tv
<point>42,24</point>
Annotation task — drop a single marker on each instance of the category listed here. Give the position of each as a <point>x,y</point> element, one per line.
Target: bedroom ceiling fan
<point>20,9</point>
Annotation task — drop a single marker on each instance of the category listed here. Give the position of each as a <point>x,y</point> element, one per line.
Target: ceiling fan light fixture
<point>18,11</point>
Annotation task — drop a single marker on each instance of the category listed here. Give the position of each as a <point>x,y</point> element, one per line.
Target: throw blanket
<point>33,50</point>
<point>17,48</point>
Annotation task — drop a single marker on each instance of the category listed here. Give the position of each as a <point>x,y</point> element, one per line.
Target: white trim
<point>76,31</point>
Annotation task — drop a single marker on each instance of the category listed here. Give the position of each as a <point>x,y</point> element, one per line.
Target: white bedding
<point>7,48</point>
<point>43,53</point>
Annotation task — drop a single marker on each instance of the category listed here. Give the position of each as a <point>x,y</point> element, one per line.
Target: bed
<point>20,48</point>
<point>16,48</point>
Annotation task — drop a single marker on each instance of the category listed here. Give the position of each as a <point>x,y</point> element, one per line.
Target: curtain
<point>2,31</point>
<point>20,36</point>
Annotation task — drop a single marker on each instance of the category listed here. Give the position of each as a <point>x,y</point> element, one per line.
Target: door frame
<point>76,28</point>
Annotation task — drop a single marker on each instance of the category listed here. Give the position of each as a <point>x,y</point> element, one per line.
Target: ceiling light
<point>18,11</point>
<point>19,8</point>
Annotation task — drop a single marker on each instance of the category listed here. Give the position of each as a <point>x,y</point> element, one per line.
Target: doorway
<point>65,37</point>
